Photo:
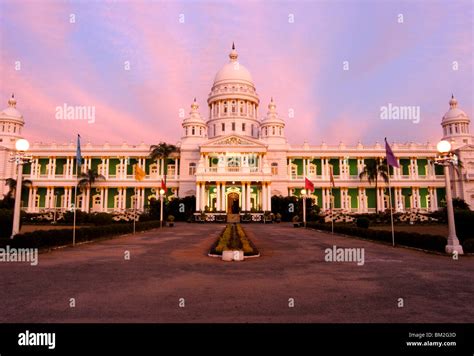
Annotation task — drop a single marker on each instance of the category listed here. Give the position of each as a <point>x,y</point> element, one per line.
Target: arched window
<point>273,130</point>
<point>225,107</point>
<point>223,127</point>
<point>215,133</point>
<point>192,168</point>
<point>192,131</point>
<point>200,131</point>
<point>233,107</point>
<point>243,126</point>
<point>274,168</point>
<point>233,126</point>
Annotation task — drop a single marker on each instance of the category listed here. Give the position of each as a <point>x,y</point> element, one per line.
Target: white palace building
<point>235,156</point>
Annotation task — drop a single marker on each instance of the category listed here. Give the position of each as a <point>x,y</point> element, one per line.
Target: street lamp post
<point>162,192</point>
<point>303,194</point>
<point>446,159</point>
<point>19,158</point>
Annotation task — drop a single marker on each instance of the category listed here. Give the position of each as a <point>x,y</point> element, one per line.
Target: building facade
<point>235,160</point>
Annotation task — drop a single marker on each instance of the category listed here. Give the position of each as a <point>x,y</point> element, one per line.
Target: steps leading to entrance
<point>233,218</point>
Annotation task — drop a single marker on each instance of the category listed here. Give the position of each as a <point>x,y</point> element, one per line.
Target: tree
<point>87,180</point>
<point>461,204</point>
<point>26,183</point>
<point>163,151</point>
<point>374,169</point>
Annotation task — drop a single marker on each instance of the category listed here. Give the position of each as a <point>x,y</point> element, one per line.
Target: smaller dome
<point>11,112</point>
<point>194,115</point>
<point>454,113</point>
<point>272,115</point>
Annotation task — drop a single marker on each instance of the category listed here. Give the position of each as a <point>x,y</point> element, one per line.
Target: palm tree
<point>87,180</point>
<point>163,151</point>
<point>11,182</point>
<point>372,170</point>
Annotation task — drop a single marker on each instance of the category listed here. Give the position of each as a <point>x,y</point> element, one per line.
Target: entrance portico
<point>233,197</point>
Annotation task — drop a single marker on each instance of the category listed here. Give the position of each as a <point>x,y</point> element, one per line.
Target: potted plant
<point>247,217</point>
<point>278,217</point>
<point>296,221</point>
<point>170,220</point>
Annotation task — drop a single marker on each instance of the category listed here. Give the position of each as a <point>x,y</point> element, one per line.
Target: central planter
<point>233,244</point>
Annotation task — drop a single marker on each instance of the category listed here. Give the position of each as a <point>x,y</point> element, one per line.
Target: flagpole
<point>332,216</point>
<point>75,207</point>
<point>134,209</point>
<point>391,210</point>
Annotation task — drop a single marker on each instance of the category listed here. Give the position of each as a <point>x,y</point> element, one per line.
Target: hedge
<point>52,238</point>
<point>411,239</point>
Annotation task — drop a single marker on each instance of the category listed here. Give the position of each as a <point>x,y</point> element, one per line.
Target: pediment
<point>234,141</point>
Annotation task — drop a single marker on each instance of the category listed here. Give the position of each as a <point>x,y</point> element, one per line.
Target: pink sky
<point>299,64</point>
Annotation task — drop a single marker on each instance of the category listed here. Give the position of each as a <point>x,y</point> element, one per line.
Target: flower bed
<point>233,238</point>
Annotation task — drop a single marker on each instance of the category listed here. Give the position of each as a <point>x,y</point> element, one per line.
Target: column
<point>107,166</point>
<point>203,195</point>
<point>289,168</point>
<point>243,197</point>
<point>359,200</point>
<point>323,168</point>
<point>304,167</point>
<point>264,197</point>
<point>249,201</point>
<point>218,196</point>
<point>106,199</point>
<point>223,202</point>
<point>176,165</point>
<point>198,196</point>
<point>269,196</point>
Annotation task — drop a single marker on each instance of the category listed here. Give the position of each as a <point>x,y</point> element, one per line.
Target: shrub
<point>464,224</point>
<point>468,246</point>
<point>423,241</point>
<point>6,222</point>
<point>363,223</point>
<point>100,219</point>
<point>53,238</point>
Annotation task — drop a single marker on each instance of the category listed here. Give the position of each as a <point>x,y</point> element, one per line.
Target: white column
<point>248,203</point>
<point>269,196</point>
<point>198,196</point>
<point>243,197</point>
<point>223,200</point>
<point>289,168</point>
<point>218,196</point>
<point>176,165</point>
<point>106,199</point>
<point>359,200</point>
<point>203,195</point>
<point>264,196</point>
<point>304,167</point>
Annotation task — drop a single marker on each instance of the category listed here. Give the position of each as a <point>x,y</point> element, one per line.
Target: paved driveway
<point>291,282</point>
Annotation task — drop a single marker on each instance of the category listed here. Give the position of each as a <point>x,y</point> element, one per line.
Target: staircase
<point>233,218</point>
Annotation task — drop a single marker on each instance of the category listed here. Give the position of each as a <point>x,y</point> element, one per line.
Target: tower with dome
<point>232,161</point>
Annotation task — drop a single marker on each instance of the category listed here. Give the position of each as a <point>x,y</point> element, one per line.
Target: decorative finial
<point>233,54</point>
<point>453,103</point>
<point>272,105</point>
<point>12,101</point>
<point>194,105</point>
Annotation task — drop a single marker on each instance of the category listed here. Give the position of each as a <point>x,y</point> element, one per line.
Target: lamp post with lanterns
<point>447,158</point>
<point>20,158</point>
<point>303,195</point>
<point>162,193</point>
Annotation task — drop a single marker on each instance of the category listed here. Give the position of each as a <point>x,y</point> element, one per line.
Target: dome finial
<point>272,106</point>
<point>453,103</point>
<point>12,101</point>
<point>194,105</point>
<point>233,54</point>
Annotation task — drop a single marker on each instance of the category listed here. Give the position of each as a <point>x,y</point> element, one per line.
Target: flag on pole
<point>331,176</point>
<point>163,185</point>
<point>308,185</point>
<point>139,172</point>
<point>391,159</point>
<point>78,153</point>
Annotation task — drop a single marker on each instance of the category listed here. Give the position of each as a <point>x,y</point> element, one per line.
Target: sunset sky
<point>300,64</point>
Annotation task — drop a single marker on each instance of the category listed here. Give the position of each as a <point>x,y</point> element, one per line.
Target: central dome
<point>233,71</point>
